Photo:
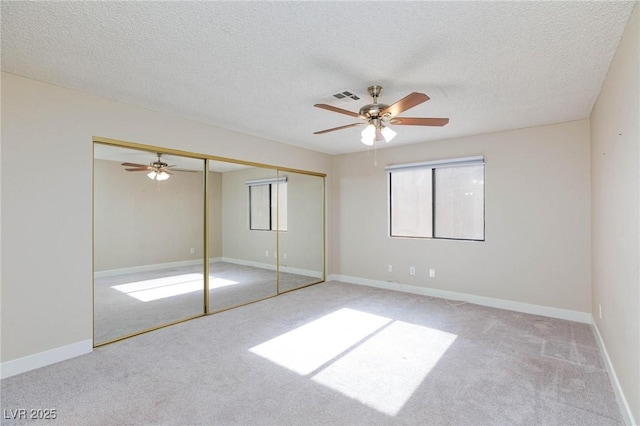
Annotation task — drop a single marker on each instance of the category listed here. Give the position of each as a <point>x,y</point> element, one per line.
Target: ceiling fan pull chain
<point>375,155</point>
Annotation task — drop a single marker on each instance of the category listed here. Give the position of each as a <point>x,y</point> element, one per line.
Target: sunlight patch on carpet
<point>312,345</point>
<point>375,360</point>
<point>385,370</point>
<point>160,288</point>
<point>220,282</point>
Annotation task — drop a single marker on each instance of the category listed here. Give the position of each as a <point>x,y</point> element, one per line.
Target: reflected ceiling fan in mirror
<point>377,116</point>
<point>158,170</point>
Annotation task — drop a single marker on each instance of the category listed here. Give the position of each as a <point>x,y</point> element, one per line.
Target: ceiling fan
<point>379,116</point>
<point>158,170</point>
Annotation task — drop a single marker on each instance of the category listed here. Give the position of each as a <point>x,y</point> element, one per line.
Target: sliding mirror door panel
<point>148,240</point>
<point>301,237</point>
<point>242,234</point>
<point>157,247</point>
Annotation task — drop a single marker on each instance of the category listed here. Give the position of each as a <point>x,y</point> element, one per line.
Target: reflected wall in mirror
<point>301,246</point>
<point>242,244</point>
<point>148,240</point>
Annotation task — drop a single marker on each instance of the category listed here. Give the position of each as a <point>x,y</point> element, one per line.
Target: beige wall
<point>615,179</point>
<point>141,222</point>
<point>215,215</point>
<point>46,199</point>
<point>537,247</point>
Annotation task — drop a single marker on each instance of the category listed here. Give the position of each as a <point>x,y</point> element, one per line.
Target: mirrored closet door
<point>180,235</point>
<point>148,240</point>
<point>300,240</point>
<point>242,234</point>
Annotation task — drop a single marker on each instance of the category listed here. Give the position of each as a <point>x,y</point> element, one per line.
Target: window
<point>438,199</point>
<point>260,207</point>
<point>268,204</point>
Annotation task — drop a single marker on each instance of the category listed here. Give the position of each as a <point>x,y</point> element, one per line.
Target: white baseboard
<point>272,267</point>
<point>617,389</point>
<point>42,359</point>
<point>146,268</point>
<point>158,266</point>
<point>510,305</point>
<point>298,271</point>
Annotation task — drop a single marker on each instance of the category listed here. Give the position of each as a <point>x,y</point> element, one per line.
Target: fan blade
<point>335,109</point>
<point>134,165</point>
<point>338,128</point>
<point>166,171</point>
<point>139,169</point>
<point>412,121</point>
<point>404,104</point>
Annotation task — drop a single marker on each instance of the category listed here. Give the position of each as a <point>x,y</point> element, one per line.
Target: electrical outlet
<point>432,273</point>
<point>266,253</point>
<point>600,310</point>
<point>284,255</point>
<point>192,250</point>
<point>390,268</point>
<point>412,270</point>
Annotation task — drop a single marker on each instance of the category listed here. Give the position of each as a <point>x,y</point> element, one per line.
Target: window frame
<point>273,207</point>
<point>433,166</point>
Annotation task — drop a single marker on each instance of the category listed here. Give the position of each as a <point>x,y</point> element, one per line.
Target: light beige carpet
<point>335,354</point>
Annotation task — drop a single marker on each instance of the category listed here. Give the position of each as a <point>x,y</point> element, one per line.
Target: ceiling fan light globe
<point>368,135</point>
<point>369,132</point>
<point>388,134</point>
<point>367,141</point>
<point>158,175</point>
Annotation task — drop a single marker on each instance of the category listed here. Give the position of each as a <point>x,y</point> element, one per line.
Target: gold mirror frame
<point>206,225</point>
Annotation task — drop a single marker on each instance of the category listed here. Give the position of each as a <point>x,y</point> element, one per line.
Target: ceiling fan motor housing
<point>371,112</point>
<point>159,164</point>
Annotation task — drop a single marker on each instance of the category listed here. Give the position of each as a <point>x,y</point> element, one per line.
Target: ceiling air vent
<point>342,97</point>
<point>345,94</point>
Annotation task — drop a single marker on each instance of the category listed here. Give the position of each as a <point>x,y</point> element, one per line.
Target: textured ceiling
<point>258,67</point>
